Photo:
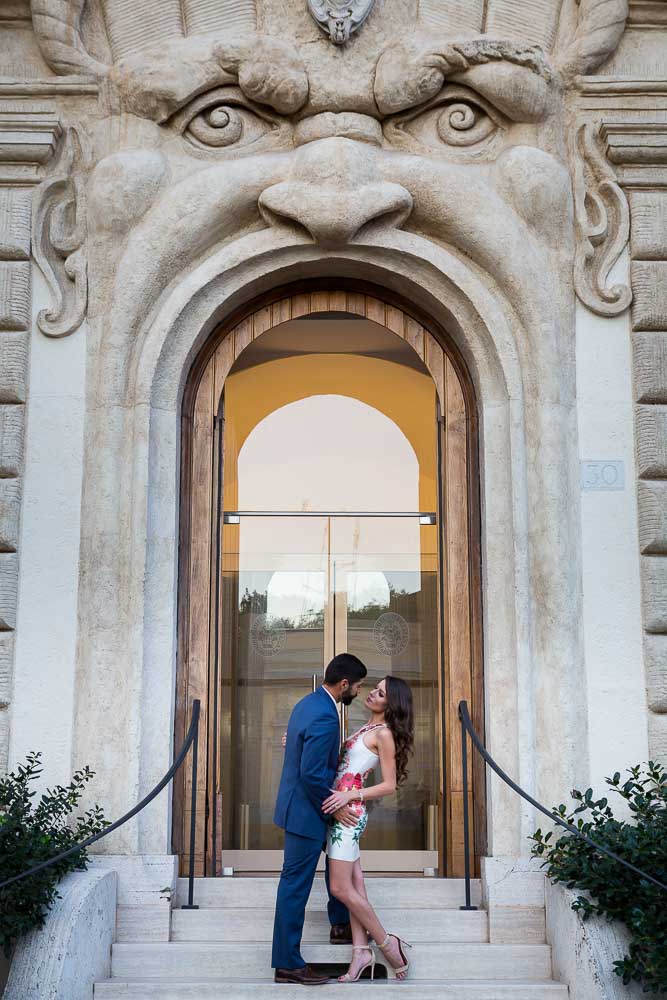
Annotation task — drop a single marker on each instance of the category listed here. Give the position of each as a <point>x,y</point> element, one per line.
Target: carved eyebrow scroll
<point>515,77</point>
<point>266,69</point>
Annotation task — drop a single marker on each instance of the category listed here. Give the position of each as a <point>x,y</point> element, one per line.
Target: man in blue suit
<point>309,769</point>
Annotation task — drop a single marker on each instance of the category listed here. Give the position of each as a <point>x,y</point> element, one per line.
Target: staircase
<point>223,950</point>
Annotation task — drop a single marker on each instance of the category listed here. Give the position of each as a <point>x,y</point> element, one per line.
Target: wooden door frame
<point>268,310</point>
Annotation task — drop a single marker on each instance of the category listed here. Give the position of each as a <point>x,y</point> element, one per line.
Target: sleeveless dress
<point>356,763</point>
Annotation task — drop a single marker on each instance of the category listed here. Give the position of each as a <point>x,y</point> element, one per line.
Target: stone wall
<point>27,141</point>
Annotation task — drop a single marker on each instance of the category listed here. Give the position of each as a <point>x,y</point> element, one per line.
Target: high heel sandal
<point>347,978</point>
<point>402,971</point>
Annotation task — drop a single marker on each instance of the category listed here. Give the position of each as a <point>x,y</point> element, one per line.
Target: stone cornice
<point>647,14</point>
<point>53,87</point>
<point>614,86</point>
<point>638,151</point>
<point>28,139</point>
<point>15,11</point>
<point>636,143</point>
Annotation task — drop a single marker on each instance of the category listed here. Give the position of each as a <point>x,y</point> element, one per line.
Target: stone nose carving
<point>335,189</point>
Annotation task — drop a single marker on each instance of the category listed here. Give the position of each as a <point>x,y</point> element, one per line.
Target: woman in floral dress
<point>387,739</point>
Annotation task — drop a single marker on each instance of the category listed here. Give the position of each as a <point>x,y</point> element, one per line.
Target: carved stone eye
<point>463,124</point>
<point>224,118</point>
<point>457,118</point>
<point>217,126</point>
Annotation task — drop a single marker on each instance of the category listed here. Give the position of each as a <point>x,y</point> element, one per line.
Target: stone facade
<point>170,161</point>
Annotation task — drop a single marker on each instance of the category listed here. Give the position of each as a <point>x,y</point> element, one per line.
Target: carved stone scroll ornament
<point>59,233</point>
<point>602,225</point>
<point>340,18</point>
<point>57,26</point>
<point>600,26</point>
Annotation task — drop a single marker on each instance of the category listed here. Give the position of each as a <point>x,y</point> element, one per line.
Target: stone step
<point>245,924</point>
<point>214,960</point>
<point>422,893</point>
<point>385,990</point>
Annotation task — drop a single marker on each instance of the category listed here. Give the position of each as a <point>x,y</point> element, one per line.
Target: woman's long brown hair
<point>399,717</point>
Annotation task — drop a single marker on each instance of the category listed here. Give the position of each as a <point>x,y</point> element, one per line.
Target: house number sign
<point>602,475</point>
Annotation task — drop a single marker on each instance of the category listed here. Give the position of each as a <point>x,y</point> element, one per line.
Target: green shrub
<point>611,889</point>
<point>30,835</point>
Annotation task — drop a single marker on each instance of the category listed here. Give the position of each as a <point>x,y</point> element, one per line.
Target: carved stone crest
<point>340,19</point>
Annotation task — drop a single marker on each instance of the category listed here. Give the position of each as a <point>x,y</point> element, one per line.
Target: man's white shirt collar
<point>331,696</point>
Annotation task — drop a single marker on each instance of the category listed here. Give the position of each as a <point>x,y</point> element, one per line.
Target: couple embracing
<point>321,805</point>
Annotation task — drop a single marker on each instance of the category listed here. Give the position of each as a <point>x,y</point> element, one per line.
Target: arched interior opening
<point>328,504</point>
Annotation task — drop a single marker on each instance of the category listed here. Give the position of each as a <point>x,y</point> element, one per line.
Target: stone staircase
<point>223,949</point>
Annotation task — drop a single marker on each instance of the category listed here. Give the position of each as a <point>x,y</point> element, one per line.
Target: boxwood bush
<point>608,889</point>
<point>31,833</point>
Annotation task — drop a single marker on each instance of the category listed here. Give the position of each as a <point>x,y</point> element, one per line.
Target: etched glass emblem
<point>391,634</point>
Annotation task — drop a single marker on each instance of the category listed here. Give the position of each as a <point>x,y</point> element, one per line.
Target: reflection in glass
<point>323,585</point>
<point>315,430</point>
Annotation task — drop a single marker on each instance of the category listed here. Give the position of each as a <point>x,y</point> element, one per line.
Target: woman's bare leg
<point>362,915</point>
<point>359,933</point>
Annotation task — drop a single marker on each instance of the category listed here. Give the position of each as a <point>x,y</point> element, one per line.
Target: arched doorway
<point>329,502</point>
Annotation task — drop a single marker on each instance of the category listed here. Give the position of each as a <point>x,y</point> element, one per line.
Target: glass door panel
<point>385,579</point>
<point>296,591</point>
<point>275,587</point>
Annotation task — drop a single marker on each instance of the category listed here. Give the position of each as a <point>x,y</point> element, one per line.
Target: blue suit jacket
<point>309,768</point>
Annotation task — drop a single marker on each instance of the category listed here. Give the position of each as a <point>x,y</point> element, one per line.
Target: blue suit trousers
<point>296,880</point>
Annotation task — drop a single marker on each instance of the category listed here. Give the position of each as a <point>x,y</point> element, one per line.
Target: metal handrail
<point>192,739</point>
<point>467,728</point>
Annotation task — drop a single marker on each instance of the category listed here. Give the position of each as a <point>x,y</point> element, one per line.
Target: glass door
<point>296,590</point>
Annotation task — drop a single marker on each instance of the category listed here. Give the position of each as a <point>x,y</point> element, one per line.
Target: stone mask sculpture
<point>433,119</point>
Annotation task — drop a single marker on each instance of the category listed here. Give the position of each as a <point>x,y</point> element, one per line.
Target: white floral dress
<point>355,764</point>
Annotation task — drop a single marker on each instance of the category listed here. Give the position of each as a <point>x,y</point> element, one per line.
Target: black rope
<point>133,812</point>
<point>464,715</point>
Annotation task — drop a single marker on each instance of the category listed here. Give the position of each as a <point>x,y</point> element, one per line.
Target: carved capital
<point>602,224</point>
<point>58,238</point>
<point>27,141</point>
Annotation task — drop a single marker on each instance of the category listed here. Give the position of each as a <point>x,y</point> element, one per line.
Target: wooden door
<point>201,603</point>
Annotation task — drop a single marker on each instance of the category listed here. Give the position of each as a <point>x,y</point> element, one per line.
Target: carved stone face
<point>458,149</point>
<point>455,132</point>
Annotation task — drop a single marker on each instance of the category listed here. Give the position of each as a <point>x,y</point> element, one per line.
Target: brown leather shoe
<point>306,976</point>
<point>340,934</point>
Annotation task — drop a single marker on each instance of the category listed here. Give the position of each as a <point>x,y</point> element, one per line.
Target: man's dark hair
<point>345,667</point>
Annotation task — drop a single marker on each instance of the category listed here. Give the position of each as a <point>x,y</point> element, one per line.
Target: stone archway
<point>460,606</point>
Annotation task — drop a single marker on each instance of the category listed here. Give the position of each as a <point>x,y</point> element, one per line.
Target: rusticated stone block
<point>654,588</point>
<point>4,739</point>
<point>649,285</point>
<point>652,442</point>
<point>650,364</point>
<point>652,499</point>
<point>10,510</point>
<point>13,366</point>
<point>11,440</point>
<point>648,239</point>
<point>655,658</point>
<point>8,590</point>
<point>14,295</point>
<point>15,213</point>
<point>657,736</point>
<point>6,666</point>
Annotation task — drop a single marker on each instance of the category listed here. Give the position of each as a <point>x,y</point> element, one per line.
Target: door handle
<point>314,682</point>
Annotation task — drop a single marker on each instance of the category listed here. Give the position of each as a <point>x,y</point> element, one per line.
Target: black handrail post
<point>193,818</point>
<point>466,815</point>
